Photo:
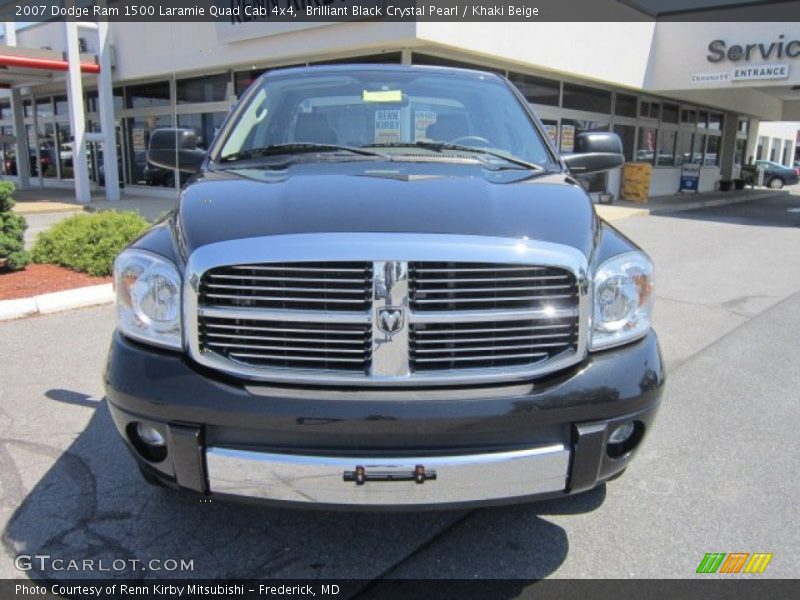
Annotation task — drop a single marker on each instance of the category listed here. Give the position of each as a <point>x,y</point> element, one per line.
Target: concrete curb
<point>618,211</point>
<point>44,304</point>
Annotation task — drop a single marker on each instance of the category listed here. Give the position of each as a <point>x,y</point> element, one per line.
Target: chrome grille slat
<point>490,279</point>
<point>296,349</point>
<point>298,299</point>
<point>492,330</point>
<point>488,268</point>
<point>482,358</point>
<point>295,268</point>
<point>277,357</point>
<point>527,339</point>
<point>282,289</point>
<point>292,279</point>
<point>450,290</point>
<point>264,338</point>
<point>478,299</point>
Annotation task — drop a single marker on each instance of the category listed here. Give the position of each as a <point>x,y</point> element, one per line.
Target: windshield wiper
<point>297,148</point>
<point>441,146</point>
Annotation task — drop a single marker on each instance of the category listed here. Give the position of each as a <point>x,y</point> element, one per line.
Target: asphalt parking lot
<point>717,473</point>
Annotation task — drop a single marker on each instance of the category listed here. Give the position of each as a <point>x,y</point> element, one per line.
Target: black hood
<point>379,196</point>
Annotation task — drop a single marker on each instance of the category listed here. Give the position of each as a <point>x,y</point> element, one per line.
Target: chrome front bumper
<point>408,481</point>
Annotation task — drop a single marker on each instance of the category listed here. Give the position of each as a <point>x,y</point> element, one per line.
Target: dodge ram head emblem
<point>390,320</point>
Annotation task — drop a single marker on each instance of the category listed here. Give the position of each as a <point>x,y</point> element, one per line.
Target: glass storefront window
<point>438,61</point>
<point>649,110</point>
<point>738,157</point>
<point>744,125</point>
<point>243,79</point>
<point>702,119</point>
<point>646,145</point>
<point>536,89</point>
<point>8,161</point>
<point>44,108</point>
<point>698,148</point>
<point>5,110</point>
<point>580,97</point>
<point>204,125</point>
<point>625,105</point>
<point>712,151</point>
<point>666,148</point>
<point>627,134</point>
<point>148,95</point>
<point>137,170</point>
<point>715,121</point>
<point>47,150</point>
<point>670,113</point>
<point>688,117</point>
<point>62,105</point>
<point>66,150</point>
<point>684,150</point>
<point>210,88</point>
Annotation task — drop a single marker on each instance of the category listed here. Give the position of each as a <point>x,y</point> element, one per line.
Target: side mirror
<point>175,149</point>
<point>595,151</point>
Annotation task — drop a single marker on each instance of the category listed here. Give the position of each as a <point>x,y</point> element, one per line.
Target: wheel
<point>150,478</point>
<point>776,183</point>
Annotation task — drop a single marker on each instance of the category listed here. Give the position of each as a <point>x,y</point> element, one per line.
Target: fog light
<point>622,433</point>
<point>624,439</point>
<point>148,441</point>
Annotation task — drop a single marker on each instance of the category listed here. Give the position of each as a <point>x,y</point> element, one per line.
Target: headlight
<point>148,289</point>
<point>623,300</point>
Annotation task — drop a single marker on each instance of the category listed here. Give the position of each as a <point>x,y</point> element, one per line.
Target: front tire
<point>776,183</point>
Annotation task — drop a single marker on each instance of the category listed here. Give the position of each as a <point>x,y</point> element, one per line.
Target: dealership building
<point>676,92</point>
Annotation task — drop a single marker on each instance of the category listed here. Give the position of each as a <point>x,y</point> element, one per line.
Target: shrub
<point>88,242</point>
<point>12,231</point>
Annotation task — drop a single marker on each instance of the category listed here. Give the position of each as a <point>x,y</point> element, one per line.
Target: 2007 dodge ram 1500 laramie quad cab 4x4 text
<point>382,287</point>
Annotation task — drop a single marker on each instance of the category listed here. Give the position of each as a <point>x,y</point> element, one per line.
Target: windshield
<point>396,112</point>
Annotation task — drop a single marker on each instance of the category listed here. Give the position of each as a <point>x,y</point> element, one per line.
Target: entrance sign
<point>690,178</point>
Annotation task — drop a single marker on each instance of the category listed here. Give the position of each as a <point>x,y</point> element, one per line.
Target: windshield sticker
<point>382,96</point>
<point>306,107</point>
<point>387,126</point>
<point>422,120</point>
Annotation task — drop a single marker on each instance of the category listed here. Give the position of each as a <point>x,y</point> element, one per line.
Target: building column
<point>105,98</point>
<point>76,116</point>
<point>728,146</point>
<point>18,119</point>
<point>752,141</point>
<point>21,142</point>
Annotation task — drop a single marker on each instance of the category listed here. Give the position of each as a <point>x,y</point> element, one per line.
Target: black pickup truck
<point>383,288</point>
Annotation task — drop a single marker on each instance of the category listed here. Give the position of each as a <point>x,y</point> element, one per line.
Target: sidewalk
<point>40,201</point>
<point>660,205</point>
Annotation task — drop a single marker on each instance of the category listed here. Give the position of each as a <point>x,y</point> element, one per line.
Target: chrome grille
<point>489,344</point>
<point>336,286</point>
<point>293,345</point>
<point>448,286</point>
<point>372,309</point>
